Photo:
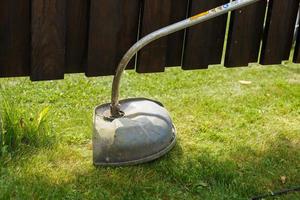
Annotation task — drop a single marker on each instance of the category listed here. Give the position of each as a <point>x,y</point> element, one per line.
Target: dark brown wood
<point>245,34</point>
<point>296,57</point>
<point>166,51</point>
<point>204,42</point>
<point>156,14</point>
<point>14,38</point>
<point>279,31</point>
<point>291,30</point>
<point>53,37</point>
<point>175,41</point>
<point>48,39</point>
<point>76,35</point>
<point>113,30</point>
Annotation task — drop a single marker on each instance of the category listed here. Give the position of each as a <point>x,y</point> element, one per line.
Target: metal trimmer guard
<point>145,133</point>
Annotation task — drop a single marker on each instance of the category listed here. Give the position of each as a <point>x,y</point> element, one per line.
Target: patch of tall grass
<point>19,128</point>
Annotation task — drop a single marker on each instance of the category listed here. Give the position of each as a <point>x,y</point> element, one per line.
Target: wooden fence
<point>45,39</point>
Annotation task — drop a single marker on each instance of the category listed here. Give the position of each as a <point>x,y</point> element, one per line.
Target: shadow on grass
<point>244,173</point>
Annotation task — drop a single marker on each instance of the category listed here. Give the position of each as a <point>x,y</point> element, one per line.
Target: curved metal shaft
<point>205,16</point>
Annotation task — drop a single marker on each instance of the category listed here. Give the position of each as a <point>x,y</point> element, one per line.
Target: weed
<point>18,128</point>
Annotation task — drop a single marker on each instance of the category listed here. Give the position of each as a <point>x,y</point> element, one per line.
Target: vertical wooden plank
<point>113,29</point>
<point>296,58</point>
<point>14,38</point>
<point>166,51</point>
<point>76,35</point>
<point>204,42</point>
<point>245,34</point>
<point>156,14</point>
<point>175,41</point>
<point>291,30</point>
<point>48,39</point>
<point>279,31</point>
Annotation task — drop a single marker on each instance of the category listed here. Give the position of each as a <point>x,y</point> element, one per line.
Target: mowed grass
<point>235,141</point>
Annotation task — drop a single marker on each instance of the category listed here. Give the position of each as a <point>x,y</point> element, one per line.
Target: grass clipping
<point>19,128</point>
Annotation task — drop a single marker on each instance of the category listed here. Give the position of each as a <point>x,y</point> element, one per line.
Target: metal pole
<point>205,16</point>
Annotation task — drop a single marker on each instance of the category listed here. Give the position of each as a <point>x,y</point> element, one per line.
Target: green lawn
<point>235,140</point>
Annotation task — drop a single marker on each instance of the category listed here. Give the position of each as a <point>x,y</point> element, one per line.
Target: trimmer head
<point>144,133</point>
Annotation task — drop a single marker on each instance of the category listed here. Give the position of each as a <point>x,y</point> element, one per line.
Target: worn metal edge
<point>143,160</point>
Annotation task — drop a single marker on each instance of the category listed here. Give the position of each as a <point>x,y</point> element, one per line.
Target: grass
<point>235,140</point>
<point>18,128</point>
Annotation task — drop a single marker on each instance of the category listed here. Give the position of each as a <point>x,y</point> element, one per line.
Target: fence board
<point>291,30</point>
<point>166,51</point>
<point>48,39</point>
<point>14,38</point>
<point>279,31</point>
<point>76,35</point>
<point>204,42</point>
<point>156,14</point>
<point>113,29</point>
<point>296,58</point>
<point>245,33</point>
<point>175,41</point>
